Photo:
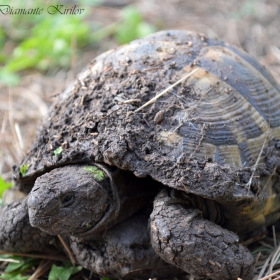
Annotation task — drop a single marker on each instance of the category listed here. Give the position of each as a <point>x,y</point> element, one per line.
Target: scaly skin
<point>124,252</point>
<point>16,233</point>
<point>183,238</point>
<point>72,202</point>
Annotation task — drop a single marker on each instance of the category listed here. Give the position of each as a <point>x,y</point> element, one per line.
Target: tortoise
<point>159,160</point>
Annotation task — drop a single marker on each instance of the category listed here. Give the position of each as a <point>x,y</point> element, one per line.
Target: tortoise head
<point>69,200</point>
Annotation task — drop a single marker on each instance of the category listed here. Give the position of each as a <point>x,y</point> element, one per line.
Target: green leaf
<point>2,37</point>
<point>23,169</point>
<point>58,151</point>
<point>8,78</point>
<point>4,185</point>
<point>62,273</point>
<point>132,26</point>
<point>97,172</point>
<point>13,265</point>
<point>48,43</point>
<point>106,278</point>
<point>23,264</point>
<point>260,250</point>
<point>6,256</point>
<point>145,29</point>
<point>13,276</point>
<point>14,270</point>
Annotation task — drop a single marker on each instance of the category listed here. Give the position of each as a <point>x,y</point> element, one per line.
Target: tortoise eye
<point>67,200</point>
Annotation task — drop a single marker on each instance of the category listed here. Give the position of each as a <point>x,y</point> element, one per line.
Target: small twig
<point>248,185</point>
<point>43,267</point>
<point>270,275</point>
<point>165,91</point>
<point>9,260</point>
<point>274,259</point>
<point>66,247</point>
<point>257,258</point>
<point>4,123</point>
<point>265,266</point>
<point>38,256</point>
<point>274,236</point>
<point>19,136</point>
<point>11,122</point>
<point>265,244</point>
<point>129,101</point>
<point>253,239</point>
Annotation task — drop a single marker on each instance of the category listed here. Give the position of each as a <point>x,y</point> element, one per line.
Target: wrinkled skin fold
<point>16,233</point>
<point>183,238</point>
<point>124,251</point>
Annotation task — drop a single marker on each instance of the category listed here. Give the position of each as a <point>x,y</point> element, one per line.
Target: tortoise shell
<point>206,131</point>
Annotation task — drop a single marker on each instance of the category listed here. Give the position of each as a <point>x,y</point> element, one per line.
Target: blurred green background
<point>48,40</point>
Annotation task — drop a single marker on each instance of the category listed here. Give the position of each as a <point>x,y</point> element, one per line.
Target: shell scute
<point>255,86</point>
<point>219,113</point>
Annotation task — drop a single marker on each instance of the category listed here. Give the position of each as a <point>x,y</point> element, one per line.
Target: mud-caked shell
<point>219,119</point>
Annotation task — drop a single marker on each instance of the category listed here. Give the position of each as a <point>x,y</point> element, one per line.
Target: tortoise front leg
<point>123,252</point>
<point>183,238</point>
<point>16,233</point>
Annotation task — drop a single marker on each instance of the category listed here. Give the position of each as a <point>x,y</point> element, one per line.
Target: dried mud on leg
<point>16,233</point>
<point>124,252</point>
<point>183,238</point>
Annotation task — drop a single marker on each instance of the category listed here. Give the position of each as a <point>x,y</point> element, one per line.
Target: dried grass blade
<point>9,260</point>
<point>165,91</point>
<point>270,275</point>
<point>265,265</point>
<point>38,256</point>
<point>43,267</point>
<point>274,259</point>
<point>73,261</point>
<point>274,236</point>
<point>19,136</point>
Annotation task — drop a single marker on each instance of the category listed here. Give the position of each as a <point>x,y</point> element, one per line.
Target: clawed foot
<point>183,238</point>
